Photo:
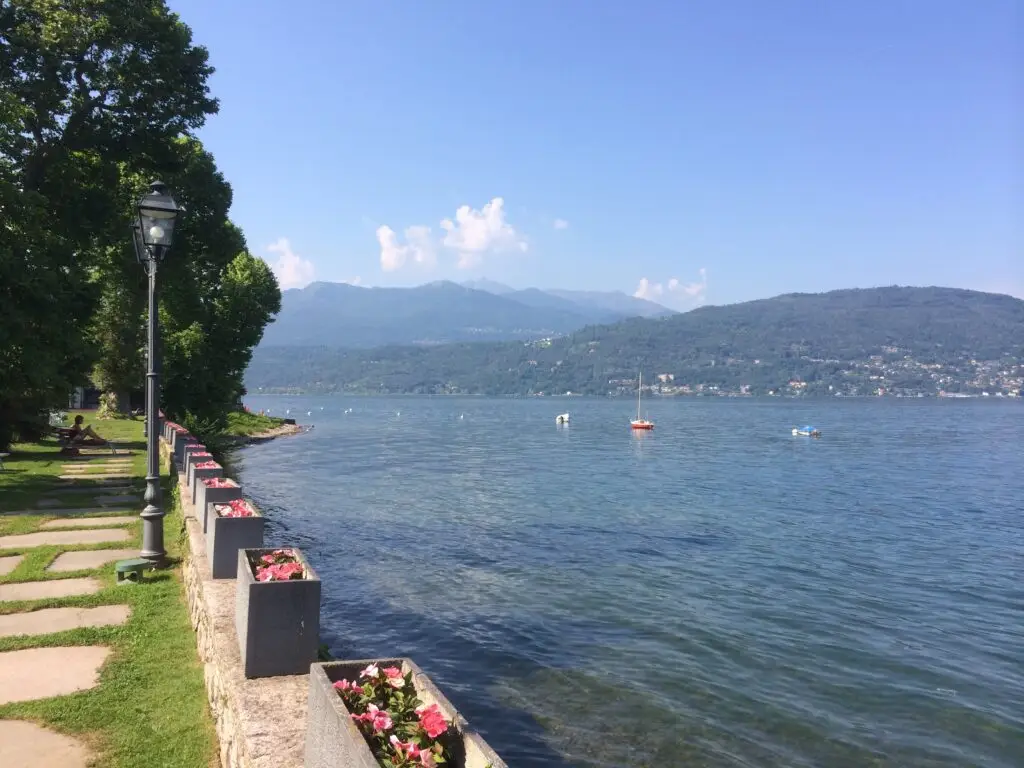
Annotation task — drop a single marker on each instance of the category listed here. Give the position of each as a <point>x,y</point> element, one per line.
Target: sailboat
<point>639,423</point>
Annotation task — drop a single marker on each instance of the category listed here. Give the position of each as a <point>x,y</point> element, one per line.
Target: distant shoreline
<point>653,396</point>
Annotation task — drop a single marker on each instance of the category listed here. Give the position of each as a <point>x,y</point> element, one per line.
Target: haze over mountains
<point>343,315</point>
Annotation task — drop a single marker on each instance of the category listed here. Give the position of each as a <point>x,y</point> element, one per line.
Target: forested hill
<point>855,341</point>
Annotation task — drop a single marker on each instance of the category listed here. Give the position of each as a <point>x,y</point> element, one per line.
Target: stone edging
<point>260,723</point>
<point>285,430</point>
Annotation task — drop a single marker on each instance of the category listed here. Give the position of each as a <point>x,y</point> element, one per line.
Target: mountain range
<point>343,315</point>
<point>918,340</point>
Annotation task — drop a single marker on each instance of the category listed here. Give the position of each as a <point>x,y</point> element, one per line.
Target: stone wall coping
<point>260,723</point>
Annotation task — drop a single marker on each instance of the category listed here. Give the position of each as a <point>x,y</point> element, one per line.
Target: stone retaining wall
<point>260,723</point>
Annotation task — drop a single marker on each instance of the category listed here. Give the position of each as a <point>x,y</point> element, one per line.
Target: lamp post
<point>152,235</point>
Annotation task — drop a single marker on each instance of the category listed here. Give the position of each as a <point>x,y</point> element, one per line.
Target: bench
<point>63,437</point>
<point>130,571</point>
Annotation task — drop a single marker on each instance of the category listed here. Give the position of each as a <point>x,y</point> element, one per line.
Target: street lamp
<point>152,236</point>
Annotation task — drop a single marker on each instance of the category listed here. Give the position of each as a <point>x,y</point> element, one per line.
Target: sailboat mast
<point>639,389</point>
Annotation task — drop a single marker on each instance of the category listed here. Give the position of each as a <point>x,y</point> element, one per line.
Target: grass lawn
<point>150,708</point>
<point>245,424</point>
<point>32,468</point>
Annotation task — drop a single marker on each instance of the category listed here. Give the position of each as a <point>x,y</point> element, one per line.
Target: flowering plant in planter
<point>219,482</point>
<point>279,565</point>
<point>400,730</point>
<point>235,508</point>
<point>205,464</point>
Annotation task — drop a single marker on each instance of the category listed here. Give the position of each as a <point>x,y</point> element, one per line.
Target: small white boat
<point>562,418</point>
<point>806,431</point>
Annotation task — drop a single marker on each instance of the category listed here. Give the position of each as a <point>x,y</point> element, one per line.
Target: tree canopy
<point>97,98</point>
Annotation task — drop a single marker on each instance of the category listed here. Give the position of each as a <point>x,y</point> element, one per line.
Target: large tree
<point>86,86</point>
<point>215,298</point>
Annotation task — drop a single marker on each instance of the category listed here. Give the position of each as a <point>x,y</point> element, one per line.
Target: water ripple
<point>716,593</point>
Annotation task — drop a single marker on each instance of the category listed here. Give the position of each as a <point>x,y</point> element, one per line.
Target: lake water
<point>715,593</point>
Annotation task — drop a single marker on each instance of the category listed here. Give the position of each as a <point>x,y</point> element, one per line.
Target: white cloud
<point>674,290</point>
<point>648,290</point>
<point>474,233</point>
<point>354,280</point>
<point>292,270</point>
<point>561,224</point>
<point>419,248</point>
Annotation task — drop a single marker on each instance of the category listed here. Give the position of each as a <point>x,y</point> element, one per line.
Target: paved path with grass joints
<point>92,673</point>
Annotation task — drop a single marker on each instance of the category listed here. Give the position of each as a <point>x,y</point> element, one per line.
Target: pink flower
<point>382,721</point>
<point>345,685</point>
<point>394,677</point>
<point>270,569</point>
<point>432,720</point>
<point>236,508</point>
<point>280,572</point>
<point>371,671</point>
<point>219,482</point>
<point>412,751</point>
<point>206,465</point>
<point>378,718</point>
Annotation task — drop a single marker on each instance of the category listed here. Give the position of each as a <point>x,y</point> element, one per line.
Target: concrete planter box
<point>334,741</point>
<point>206,496</point>
<point>180,441</point>
<point>226,536</point>
<point>199,474</point>
<point>278,622</point>
<point>192,457</point>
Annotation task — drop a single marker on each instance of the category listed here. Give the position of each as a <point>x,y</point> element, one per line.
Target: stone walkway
<point>39,673</point>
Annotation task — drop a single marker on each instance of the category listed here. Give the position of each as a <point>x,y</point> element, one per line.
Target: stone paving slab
<point>27,745</point>
<point>113,501</point>
<point>106,490</point>
<point>85,458</point>
<point>67,511</point>
<point>50,620</point>
<point>85,466</point>
<point>97,462</point>
<point>89,522</point>
<point>95,536</point>
<point>96,459</point>
<point>88,559</point>
<point>112,469</point>
<point>39,673</point>
<point>41,590</point>
<point>8,564</point>
<point>94,476</point>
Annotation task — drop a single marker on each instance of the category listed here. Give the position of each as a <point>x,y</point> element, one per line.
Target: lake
<point>714,593</point>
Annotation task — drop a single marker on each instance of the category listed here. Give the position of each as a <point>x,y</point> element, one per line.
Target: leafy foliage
<point>98,97</point>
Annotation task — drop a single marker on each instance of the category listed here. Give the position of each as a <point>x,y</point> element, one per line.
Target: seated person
<point>84,435</point>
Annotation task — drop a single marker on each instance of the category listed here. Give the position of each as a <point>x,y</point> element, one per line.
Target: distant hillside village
<point>891,342</point>
<point>878,376</point>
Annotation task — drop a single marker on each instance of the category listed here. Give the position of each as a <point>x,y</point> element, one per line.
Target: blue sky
<point>699,152</point>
